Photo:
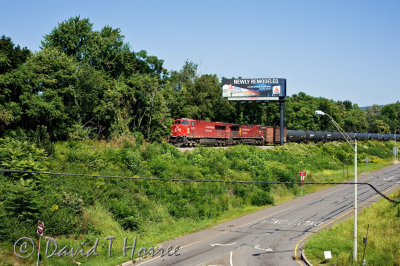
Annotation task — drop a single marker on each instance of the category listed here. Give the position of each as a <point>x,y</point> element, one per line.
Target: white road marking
<point>231,259</point>
<point>222,245</point>
<point>237,227</point>
<point>309,223</point>
<point>388,178</point>
<point>275,221</point>
<point>263,249</point>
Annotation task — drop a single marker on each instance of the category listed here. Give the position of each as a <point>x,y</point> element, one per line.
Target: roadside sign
<point>328,255</point>
<point>302,175</point>
<point>40,228</point>
<point>366,163</point>
<point>395,151</point>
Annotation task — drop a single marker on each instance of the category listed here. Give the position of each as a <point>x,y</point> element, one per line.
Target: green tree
<point>391,115</point>
<point>198,97</point>
<point>22,201</point>
<point>73,37</point>
<point>299,112</point>
<point>42,140</point>
<point>109,53</point>
<point>355,120</point>
<point>11,56</point>
<point>150,64</point>
<point>114,90</point>
<point>379,126</point>
<point>203,98</point>
<point>86,98</point>
<point>46,97</point>
<point>177,85</point>
<point>104,50</point>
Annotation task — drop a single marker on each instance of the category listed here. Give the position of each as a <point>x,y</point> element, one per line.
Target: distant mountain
<point>366,107</point>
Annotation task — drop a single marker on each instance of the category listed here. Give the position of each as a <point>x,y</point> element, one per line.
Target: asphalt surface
<point>276,235</point>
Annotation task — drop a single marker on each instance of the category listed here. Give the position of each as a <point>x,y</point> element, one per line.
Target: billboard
<point>256,89</point>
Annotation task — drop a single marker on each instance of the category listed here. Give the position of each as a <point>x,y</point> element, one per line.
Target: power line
<point>198,181</point>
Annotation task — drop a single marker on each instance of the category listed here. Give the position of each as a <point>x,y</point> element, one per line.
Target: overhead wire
<point>198,180</point>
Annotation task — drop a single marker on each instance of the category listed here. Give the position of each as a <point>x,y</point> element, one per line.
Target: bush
<point>42,140</point>
<point>62,221</point>
<point>22,201</point>
<point>18,155</point>
<point>127,216</point>
<point>260,198</point>
<point>132,158</point>
<point>78,132</point>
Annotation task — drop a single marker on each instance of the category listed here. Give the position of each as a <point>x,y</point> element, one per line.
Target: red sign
<point>40,228</point>
<point>303,173</point>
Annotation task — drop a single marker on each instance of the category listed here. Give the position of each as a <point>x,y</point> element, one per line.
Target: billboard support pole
<point>282,122</point>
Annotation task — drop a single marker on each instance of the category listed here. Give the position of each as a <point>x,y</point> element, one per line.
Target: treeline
<point>90,84</point>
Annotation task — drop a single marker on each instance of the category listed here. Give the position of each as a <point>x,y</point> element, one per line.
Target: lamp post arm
<point>343,133</point>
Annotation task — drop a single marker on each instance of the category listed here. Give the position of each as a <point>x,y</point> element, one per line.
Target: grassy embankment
<point>77,209</point>
<point>383,246</point>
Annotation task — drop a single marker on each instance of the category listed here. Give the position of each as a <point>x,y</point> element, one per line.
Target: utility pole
<point>282,122</point>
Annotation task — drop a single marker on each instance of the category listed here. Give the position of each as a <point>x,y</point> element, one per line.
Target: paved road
<point>270,236</point>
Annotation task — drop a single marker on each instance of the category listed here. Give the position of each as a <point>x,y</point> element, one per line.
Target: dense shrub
<point>126,215</point>
<point>260,198</point>
<point>42,139</point>
<point>20,194</point>
<point>133,159</point>
<point>22,201</point>
<point>61,201</point>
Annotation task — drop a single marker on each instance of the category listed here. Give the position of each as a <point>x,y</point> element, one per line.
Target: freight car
<point>301,136</point>
<point>190,133</point>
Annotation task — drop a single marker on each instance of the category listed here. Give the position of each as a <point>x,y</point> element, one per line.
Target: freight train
<point>190,133</point>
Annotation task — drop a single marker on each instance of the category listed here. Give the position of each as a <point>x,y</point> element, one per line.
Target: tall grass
<point>383,246</point>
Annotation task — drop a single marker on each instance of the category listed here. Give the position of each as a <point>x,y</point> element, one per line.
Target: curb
<point>303,256</point>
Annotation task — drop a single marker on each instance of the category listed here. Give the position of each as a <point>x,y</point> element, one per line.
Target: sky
<point>340,50</point>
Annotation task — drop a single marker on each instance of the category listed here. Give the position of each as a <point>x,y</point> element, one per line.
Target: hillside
<point>368,107</point>
<point>77,209</point>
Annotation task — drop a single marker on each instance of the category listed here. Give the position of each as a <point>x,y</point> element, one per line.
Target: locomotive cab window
<point>192,124</point>
<point>185,122</point>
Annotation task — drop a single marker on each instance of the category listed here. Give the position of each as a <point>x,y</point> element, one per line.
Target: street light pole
<point>351,143</point>
<point>355,201</point>
<point>395,147</point>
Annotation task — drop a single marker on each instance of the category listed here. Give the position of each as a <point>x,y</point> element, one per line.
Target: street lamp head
<point>319,112</point>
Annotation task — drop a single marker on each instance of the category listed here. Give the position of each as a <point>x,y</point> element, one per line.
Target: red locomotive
<point>190,133</point>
